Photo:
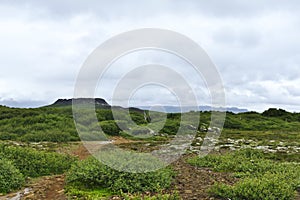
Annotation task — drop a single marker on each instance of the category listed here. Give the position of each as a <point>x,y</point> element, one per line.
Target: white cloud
<point>255,45</point>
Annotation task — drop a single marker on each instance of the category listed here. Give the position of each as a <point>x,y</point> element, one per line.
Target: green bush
<point>96,194</point>
<point>10,176</point>
<point>137,116</point>
<point>104,114</point>
<point>91,173</point>
<point>46,136</point>
<point>35,163</point>
<point>268,187</point>
<point>8,136</point>
<point>261,178</point>
<point>171,127</point>
<point>241,162</point>
<point>110,127</point>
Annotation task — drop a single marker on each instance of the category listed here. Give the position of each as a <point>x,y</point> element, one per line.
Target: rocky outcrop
<point>68,102</point>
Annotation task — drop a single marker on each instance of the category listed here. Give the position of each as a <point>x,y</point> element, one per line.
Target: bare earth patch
<point>192,182</point>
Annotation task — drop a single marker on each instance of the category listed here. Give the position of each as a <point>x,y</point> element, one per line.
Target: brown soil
<point>81,152</point>
<point>192,182</point>
<point>120,140</point>
<point>44,188</point>
<point>50,187</point>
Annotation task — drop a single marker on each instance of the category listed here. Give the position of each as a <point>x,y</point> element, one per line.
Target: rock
<point>27,191</point>
<point>188,191</point>
<point>61,191</point>
<point>30,196</point>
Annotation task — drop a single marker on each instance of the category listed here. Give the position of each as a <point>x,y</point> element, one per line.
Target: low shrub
<point>91,173</point>
<point>8,136</point>
<point>267,187</point>
<point>261,178</point>
<point>35,163</point>
<point>158,196</point>
<point>10,176</point>
<point>110,127</point>
<point>137,117</point>
<point>170,127</point>
<point>96,194</point>
<point>241,162</point>
<point>46,136</point>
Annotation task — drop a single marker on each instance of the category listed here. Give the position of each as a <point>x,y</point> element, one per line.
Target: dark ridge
<point>136,109</point>
<point>68,102</point>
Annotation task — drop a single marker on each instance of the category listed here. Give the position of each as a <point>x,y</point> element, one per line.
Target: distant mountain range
<point>177,109</point>
<point>101,103</point>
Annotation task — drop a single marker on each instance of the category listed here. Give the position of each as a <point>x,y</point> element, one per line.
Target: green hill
<point>55,122</point>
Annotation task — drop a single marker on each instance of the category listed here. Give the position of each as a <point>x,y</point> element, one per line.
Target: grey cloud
<point>44,43</point>
<point>118,9</point>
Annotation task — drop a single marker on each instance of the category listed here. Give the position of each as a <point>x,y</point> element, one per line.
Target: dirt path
<point>44,188</point>
<point>50,187</point>
<point>192,182</point>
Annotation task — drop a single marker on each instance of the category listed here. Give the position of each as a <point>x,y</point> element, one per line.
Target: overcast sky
<point>254,44</point>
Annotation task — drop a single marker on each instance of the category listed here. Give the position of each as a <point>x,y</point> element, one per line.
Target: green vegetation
<point>253,121</point>
<point>159,196</point>
<point>56,124</point>
<point>170,127</point>
<point>19,162</point>
<point>35,163</point>
<point>155,197</point>
<point>39,124</point>
<point>260,176</point>
<point>10,176</point>
<point>91,173</point>
<point>96,194</point>
<point>110,127</point>
<point>269,187</point>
